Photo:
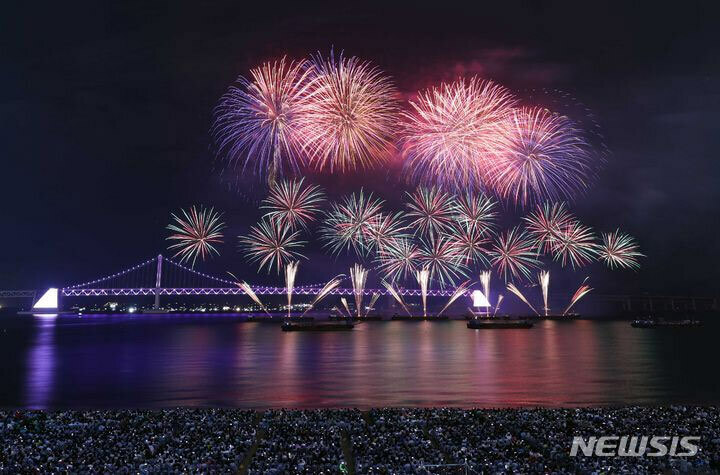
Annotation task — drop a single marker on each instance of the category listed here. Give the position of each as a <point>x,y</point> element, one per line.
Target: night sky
<point>105,110</point>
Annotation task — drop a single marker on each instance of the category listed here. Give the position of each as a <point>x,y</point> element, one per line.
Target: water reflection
<point>147,361</point>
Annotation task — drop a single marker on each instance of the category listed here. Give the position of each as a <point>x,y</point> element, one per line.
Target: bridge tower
<point>158,279</point>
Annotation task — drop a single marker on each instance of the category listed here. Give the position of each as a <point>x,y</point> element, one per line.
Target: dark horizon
<point>106,111</point>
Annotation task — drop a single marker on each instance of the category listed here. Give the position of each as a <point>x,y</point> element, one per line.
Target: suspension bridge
<point>160,276</point>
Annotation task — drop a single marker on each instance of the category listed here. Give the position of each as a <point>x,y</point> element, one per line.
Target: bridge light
<point>49,300</point>
<point>479,300</point>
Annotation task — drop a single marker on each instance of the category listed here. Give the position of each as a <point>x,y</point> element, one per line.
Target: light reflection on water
<point>118,361</point>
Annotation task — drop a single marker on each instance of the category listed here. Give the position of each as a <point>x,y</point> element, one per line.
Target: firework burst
<point>194,234</point>
<point>476,210</point>
<point>513,254</point>
<point>454,130</point>
<point>293,204</point>
<point>431,211</point>
<point>546,223</point>
<point>399,259</point>
<point>581,292</point>
<point>256,121</point>
<point>358,277</point>
<point>384,230</point>
<point>271,245</point>
<point>349,117</point>
<point>620,250</point>
<point>443,260</point>
<point>349,224</point>
<point>471,244</point>
<point>575,244</point>
<point>548,158</point>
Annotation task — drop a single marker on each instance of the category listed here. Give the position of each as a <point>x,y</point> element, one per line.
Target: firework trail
<point>575,244</point>
<point>350,114</point>
<point>513,254</point>
<point>582,291</point>
<point>257,120</point>
<point>548,158</point>
<point>431,211</point>
<point>454,131</point>
<point>545,224</point>
<point>348,224</point>
<point>398,260</point>
<point>358,276</point>
<point>470,243</point>
<point>271,245</point>
<point>343,300</point>
<point>544,281</point>
<point>292,204</point>
<point>391,290</point>
<point>459,291</point>
<point>325,291</point>
<point>195,232</point>
<point>497,305</point>
<point>620,250</point>
<point>423,277</point>
<point>520,295</point>
<point>371,305</point>
<point>443,260</point>
<point>485,277</point>
<point>476,210</point>
<point>245,287</point>
<point>290,272</point>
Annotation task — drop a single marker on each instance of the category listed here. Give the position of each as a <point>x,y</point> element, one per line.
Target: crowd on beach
<point>377,441</point>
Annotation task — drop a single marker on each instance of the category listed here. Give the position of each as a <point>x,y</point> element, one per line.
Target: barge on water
<point>294,326</point>
<point>493,323</point>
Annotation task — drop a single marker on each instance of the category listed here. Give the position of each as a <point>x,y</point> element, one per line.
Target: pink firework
<point>350,115</point>
<point>293,204</point>
<point>454,131</point>
<point>257,120</point>
<point>442,259</point>
<point>620,250</point>
<point>271,245</point>
<point>546,223</point>
<point>399,259</point>
<point>547,158</point>
<point>348,224</point>
<point>431,211</point>
<point>195,233</point>
<point>575,244</point>
<point>514,255</point>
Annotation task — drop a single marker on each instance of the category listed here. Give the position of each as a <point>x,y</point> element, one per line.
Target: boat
<point>650,323</point>
<point>309,326</point>
<point>492,323</point>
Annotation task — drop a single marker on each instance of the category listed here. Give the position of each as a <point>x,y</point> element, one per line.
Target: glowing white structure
<point>49,300</point>
<point>479,299</point>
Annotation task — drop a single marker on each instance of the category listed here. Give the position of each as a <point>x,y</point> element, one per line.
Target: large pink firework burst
<point>292,203</point>
<point>454,131</point>
<point>271,245</point>
<point>547,158</point>
<point>431,211</point>
<point>620,250</point>
<point>350,114</point>
<point>257,120</point>
<point>514,254</point>
<point>195,232</point>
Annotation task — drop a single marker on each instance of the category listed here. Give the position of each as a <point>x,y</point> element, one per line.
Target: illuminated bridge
<point>160,276</point>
